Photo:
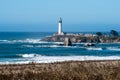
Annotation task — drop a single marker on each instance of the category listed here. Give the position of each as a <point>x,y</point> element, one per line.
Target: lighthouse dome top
<point>60,21</point>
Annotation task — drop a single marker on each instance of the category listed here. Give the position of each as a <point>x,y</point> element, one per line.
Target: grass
<point>73,70</point>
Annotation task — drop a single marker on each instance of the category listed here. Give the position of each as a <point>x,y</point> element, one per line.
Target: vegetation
<point>114,33</point>
<point>99,34</point>
<point>89,70</point>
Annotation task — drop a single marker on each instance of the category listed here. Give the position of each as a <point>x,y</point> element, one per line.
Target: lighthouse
<point>60,27</point>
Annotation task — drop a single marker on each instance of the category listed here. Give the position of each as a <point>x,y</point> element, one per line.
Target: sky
<point>43,15</point>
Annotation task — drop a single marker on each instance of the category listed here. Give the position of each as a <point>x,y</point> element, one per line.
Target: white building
<point>60,27</point>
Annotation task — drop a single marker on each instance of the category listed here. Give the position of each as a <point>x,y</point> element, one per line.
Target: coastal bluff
<point>83,38</point>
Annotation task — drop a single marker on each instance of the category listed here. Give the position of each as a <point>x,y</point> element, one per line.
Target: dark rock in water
<point>60,44</point>
<point>68,42</point>
<point>89,44</point>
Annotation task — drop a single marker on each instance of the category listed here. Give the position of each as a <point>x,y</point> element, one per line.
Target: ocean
<point>26,47</point>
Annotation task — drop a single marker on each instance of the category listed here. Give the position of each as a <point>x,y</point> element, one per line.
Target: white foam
<point>29,41</point>
<point>93,48</point>
<point>28,55</point>
<point>3,40</point>
<point>49,46</point>
<point>52,59</point>
<point>22,41</point>
<point>33,40</point>
<point>113,48</point>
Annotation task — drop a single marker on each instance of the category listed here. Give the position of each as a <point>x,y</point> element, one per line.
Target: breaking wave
<point>22,41</point>
<point>28,41</point>
<point>48,46</point>
<point>113,48</point>
<point>52,59</point>
<point>85,48</point>
<point>93,48</point>
<point>28,55</point>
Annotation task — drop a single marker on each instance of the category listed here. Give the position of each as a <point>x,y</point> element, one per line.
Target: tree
<point>99,34</point>
<point>114,33</point>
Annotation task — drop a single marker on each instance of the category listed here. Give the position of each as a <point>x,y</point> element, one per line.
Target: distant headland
<point>98,37</point>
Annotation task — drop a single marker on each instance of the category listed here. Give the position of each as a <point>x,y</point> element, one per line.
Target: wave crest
<point>22,41</point>
<point>92,48</point>
<point>52,59</point>
<point>29,55</point>
<point>113,48</point>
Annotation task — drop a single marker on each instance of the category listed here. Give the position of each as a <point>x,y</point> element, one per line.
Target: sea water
<point>26,47</point>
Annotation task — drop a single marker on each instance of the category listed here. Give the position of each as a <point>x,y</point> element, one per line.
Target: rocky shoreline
<point>83,39</point>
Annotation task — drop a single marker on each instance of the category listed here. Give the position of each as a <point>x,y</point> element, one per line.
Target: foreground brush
<point>86,70</point>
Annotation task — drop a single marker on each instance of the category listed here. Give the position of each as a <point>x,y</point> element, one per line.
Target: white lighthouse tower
<point>60,27</point>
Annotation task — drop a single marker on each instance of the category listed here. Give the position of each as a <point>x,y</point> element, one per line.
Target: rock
<point>82,39</point>
<point>68,42</point>
<point>89,44</point>
<point>74,40</point>
<point>79,41</point>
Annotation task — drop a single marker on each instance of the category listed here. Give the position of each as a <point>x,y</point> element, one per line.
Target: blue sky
<point>43,15</point>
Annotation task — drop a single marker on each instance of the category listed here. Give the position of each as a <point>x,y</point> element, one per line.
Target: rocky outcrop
<point>82,39</point>
<point>68,42</point>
